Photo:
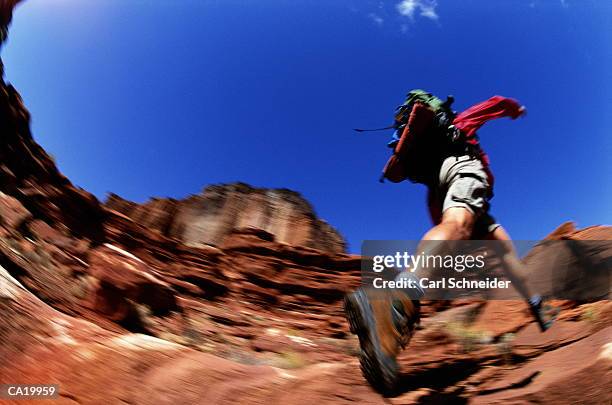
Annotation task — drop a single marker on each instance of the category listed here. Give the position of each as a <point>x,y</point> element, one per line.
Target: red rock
<point>28,174</point>
<point>122,277</point>
<point>78,277</point>
<point>209,218</point>
<point>12,212</point>
<point>579,373</point>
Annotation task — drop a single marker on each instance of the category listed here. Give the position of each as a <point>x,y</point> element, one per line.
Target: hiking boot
<point>384,321</point>
<point>539,313</point>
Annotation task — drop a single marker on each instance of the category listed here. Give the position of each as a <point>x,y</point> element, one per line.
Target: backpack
<point>423,127</point>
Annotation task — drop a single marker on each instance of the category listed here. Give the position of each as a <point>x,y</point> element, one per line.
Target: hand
<point>522,111</point>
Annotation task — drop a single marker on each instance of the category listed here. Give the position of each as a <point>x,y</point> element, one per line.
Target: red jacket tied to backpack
<point>477,115</point>
<point>470,120</point>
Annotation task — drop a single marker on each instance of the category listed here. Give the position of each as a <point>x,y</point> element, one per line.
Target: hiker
<point>434,146</point>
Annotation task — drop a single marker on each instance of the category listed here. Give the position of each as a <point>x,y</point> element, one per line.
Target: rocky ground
<point>120,303</point>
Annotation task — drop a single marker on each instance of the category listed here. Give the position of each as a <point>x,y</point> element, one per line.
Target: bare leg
<point>511,264</point>
<point>457,224</point>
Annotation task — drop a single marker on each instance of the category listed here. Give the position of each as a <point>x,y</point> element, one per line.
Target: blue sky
<point>162,97</point>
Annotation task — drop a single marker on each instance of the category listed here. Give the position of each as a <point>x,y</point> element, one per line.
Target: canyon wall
<point>208,218</point>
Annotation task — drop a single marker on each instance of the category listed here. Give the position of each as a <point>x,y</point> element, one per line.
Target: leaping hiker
<point>434,146</point>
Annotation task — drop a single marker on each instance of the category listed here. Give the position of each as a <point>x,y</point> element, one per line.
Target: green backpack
<point>416,164</point>
<point>415,157</point>
<point>438,106</point>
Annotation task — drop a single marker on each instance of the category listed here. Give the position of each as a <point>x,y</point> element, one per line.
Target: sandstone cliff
<point>208,218</point>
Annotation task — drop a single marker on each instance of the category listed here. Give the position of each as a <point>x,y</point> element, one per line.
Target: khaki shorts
<point>463,183</point>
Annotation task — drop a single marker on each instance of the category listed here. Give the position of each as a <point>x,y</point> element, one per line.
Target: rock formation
<point>208,218</point>
<point>126,303</point>
<point>29,174</point>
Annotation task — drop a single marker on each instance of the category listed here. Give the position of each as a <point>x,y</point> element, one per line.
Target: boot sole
<point>380,370</point>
